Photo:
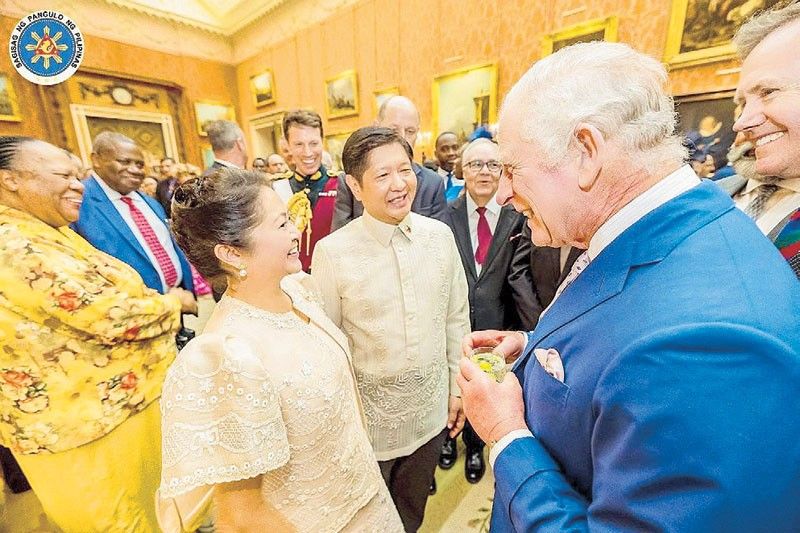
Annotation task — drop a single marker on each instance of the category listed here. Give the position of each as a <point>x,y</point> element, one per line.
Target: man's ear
<point>9,180</point>
<point>591,146</point>
<point>228,255</point>
<point>354,186</point>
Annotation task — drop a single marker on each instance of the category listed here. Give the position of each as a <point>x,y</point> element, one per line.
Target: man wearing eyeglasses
<point>128,225</point>
<point>495,259</point>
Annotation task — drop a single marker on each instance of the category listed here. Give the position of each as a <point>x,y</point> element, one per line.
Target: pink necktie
<point>164,263</point>
<point>484,236</point>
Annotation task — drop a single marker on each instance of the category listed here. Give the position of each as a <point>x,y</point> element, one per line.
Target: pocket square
<point>550,360</point>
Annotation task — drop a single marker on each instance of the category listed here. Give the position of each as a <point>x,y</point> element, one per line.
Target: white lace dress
<point>268,394</point>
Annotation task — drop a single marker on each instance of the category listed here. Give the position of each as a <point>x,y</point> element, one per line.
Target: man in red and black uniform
<point>310,192</point>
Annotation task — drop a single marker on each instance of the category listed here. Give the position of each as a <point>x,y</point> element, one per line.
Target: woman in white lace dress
<point>260,412</point>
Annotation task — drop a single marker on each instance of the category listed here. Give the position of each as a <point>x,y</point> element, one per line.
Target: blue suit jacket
<point>101,224</point>
<point>679,411</point>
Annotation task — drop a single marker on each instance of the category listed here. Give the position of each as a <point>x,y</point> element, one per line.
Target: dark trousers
<point>471,439</point>
<point>409,479</point>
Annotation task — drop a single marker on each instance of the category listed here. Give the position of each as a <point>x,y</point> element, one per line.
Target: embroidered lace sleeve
<point>221,416</point>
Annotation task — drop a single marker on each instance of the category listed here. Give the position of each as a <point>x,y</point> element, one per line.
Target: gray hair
<point>106,141</point>
<point>616,89</point>
<point>760,26</point>
<point>223,134</point>
<point>470,145</point>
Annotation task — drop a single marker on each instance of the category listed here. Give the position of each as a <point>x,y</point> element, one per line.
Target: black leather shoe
<point>474,466</point>
<point>432,489</point>
<point>449,454</point>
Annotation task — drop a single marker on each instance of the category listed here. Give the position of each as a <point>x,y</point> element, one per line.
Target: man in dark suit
<point>496,261</point>
<point>227,142</point>
<point>167,183</point>
<point>400,114</point>
<point>548,267</point>
<point>126,224</point>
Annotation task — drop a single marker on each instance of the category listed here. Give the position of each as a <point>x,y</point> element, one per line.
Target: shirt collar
<point>492,206</point>
<point>383,232</point>
<point>793,184</point>
<point>442,172</point>
<point>226,163</point>
<point>662,192</point>
<point>111,193</point>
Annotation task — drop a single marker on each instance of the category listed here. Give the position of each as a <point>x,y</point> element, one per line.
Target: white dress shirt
<point>780,205</point>
<point>400,295</point>
<point>492,214</point>
<point>454,181</point>
<point>662,192</point>
<point>159,227</point>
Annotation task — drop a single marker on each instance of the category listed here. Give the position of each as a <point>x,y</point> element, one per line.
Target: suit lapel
<point>648,241</point>
<point>505,222</point>
<point>103,205</point>
<point>463,240</point>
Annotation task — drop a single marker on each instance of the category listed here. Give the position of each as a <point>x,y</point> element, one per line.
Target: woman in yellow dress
<point>261,410</point>
<point>85,346</point>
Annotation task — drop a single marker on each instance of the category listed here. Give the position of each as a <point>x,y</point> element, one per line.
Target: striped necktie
<point>756,206</point>
<point>578,266</point>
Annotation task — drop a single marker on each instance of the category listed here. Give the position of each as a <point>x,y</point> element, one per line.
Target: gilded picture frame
<point>604,29</point>
<point>206,111</point>
<point>262,88</point>
<point>9,104</point>
<point>334,143</point>
<point>697,34</point>
<point>381,95</point>
<point>341,95</point>
<point>465,99</point>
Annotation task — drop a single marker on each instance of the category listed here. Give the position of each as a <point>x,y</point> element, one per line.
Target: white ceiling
<point>224,17</point>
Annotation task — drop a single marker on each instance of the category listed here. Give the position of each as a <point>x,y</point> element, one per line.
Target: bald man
<point>400,114</point>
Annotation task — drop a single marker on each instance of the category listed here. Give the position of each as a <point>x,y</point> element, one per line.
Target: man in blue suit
<point>128,225</point>
<point>660,389</point>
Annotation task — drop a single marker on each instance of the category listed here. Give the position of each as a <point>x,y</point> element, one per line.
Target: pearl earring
<point>242,271</point>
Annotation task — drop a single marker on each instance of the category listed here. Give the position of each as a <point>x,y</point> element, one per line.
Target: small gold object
<point>300,213</point>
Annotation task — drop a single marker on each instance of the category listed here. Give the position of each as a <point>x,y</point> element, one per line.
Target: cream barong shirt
<point>400,295</point>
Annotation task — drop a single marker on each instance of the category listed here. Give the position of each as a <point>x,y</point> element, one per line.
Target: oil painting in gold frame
<point>701,32</point>
<point>9,105</point>
<point>341,95</point>
<point>262,87</point>
<point>604,29</point>
<point>465,99</point>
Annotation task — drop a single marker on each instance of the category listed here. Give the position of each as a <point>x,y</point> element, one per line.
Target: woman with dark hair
<point>260,412</point>
<point>86,346</point>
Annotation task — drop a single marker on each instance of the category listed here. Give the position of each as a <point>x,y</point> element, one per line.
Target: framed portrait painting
<point>604,29</point>
<point>465,99</point>
<point>206,112</point>
<point>706,120</point>
<point>381,95</point>
<point>262,87</point>
<point>335,144</point>
<point>9,105</point>
<point>341,95</point>
<point>700,31</point>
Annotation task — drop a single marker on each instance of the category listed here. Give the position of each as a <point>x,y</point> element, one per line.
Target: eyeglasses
<point>495,167</point>
<point>128,162</point>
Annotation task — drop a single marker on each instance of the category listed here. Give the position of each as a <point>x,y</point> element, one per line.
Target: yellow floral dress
<point>84,344</point>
